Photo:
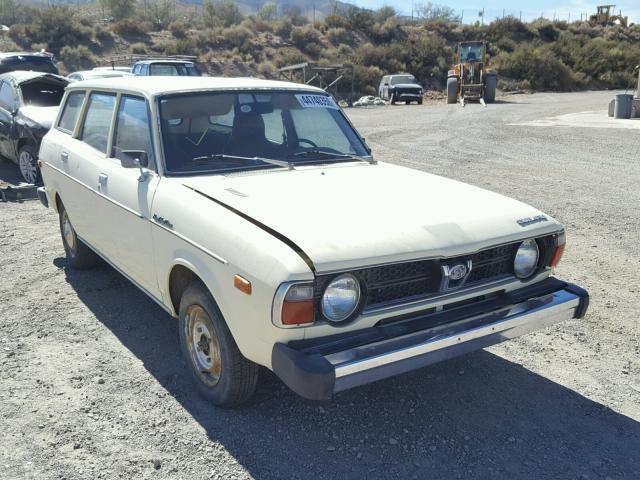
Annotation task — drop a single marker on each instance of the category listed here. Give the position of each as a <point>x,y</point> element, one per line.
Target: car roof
<point>102,73</point>
<point>166,60</point>
<point>24,54</point>
<point>19,76</point>
<point>159,85</point>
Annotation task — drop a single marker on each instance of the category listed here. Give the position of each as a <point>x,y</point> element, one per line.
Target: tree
<point>118,9</point>
<point>268,12</point>
<point>432,11</point>
<point>221,13</point>
<point>160,12</point>
<point>385,13</point>
<point>8,11</point>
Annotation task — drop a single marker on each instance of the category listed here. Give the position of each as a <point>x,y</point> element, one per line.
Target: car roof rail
<point>130,59</point>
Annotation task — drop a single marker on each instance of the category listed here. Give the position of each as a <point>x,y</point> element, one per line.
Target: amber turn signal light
<point>242,284</point>
<point>557,256</point>
<point>561,241</point>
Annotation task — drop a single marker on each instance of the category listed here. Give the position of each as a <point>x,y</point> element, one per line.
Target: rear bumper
<point>318,368</point>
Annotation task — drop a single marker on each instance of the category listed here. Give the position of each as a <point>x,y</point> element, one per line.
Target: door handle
<point>102,181</point>
<point>64,156</point>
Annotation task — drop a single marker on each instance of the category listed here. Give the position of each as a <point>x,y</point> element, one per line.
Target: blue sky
<point>563,9</point>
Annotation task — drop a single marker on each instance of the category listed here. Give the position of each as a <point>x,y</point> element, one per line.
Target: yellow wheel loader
<point>471,79</point>
<point>606,16</point>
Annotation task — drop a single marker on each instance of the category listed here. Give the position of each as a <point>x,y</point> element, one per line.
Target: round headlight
<point>526,260</point>
<point>340,298</point>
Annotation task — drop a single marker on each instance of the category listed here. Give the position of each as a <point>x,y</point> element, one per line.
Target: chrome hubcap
<point>28,167</point>
<point>68,233</point>
<point>204,348</point>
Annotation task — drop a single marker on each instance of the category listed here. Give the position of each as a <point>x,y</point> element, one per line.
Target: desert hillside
<point>541,55</point>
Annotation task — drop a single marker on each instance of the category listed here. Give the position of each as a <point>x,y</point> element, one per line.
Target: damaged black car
<point>29,104</point>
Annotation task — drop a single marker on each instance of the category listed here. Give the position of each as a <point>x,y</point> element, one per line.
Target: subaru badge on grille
<point>454,275</point>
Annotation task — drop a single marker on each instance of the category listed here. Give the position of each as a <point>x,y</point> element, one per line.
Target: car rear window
<point>42,93</point>
<point>35,63</point>
<point>174,69</point>
<point>71,111</point>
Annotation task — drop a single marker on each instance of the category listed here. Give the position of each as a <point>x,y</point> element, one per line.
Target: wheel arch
<point>26,141</point>
<point>181,274</point>
<point>57,201</point>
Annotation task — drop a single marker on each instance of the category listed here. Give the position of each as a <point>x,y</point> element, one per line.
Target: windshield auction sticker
<point>316,101</point>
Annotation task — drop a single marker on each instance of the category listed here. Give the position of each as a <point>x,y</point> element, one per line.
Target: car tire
<point>221,373</point>
<point>79,255</point>
<point>452,90</point>
<point>490,88</point>
<point>393,99</point>
<point>28,164</point>
<point>420,101</point>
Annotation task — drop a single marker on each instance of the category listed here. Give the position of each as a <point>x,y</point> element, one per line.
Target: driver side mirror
<point>134,159</point>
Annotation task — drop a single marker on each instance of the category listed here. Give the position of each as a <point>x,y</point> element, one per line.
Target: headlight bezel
<point>354,311</point>
<point>535,267</point>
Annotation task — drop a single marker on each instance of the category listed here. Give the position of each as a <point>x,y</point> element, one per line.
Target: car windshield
<point>42,93</point>
<point>174,69</point>
<point>226,131</point>
<point>34,63</point>
<point>399,79</point>
<point>471,53</point>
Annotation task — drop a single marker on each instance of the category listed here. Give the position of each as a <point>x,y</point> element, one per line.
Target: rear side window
<point>97,121</point>
<point>71,111</point>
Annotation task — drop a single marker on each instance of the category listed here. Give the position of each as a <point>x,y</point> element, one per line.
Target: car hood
<point>351,215</point>
<point>44,116</point>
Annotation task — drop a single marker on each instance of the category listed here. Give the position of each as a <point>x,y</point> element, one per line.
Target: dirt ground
<point>92,384</point>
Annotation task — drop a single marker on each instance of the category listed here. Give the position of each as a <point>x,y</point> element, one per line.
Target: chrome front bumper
<point>318,368</point>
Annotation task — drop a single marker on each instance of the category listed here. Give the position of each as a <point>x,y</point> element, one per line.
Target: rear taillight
<point>561,241</point>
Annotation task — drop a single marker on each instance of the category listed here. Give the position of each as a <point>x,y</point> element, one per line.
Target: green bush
<point>139,48</point>
<point>54,27</point>
<point>306,39</point>
<point>539,66</point>
<point>178,29</point>
<point>129,28</point>
<point>221,13</point>
<point>184,46</point>
<point>284,27</point>
<point>339,35</point>
<point>77,58</point>
<point>238,37</point>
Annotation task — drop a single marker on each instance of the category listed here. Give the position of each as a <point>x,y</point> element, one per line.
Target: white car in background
<point>95,74</point>
<point>254,212</point>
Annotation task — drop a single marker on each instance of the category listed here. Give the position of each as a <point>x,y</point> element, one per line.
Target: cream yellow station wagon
<point>254,213</point>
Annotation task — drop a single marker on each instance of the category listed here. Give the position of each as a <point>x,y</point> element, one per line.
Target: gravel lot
<point>92,384</point>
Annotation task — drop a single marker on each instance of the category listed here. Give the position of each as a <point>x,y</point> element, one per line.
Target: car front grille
<point>404,282</point>
<point>408,91</point>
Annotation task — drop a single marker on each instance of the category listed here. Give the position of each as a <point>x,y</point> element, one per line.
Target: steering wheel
<point>304,140</point>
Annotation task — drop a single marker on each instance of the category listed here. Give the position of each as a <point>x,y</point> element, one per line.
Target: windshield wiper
<point>222,156</point>
<point>332,155</point>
